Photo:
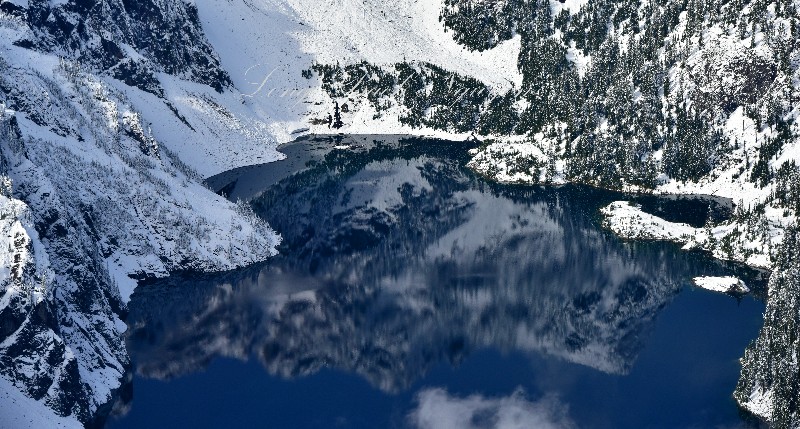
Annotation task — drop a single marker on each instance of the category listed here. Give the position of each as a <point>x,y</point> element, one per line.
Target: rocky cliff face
<point>33,354</point>
<point>94,201</point>
<point>129,40</point>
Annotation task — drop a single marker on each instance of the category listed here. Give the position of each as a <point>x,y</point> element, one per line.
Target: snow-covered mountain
<point>92,200</point>
<point>113,111</point>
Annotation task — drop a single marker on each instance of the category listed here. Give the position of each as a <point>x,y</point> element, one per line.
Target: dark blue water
<point>411,293</point>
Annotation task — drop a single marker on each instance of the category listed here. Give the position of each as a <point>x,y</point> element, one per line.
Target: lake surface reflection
<point>410,292</point>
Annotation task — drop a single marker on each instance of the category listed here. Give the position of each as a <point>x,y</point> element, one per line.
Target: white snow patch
<point>514,160</point>
<point>391,32</point>
<point>573,6</point>
<point>24,264</point>
<point>581,62</point>
<point>21,412</point>
<point>760,403</point>
<point>629,221</point>
<point>725,284</point>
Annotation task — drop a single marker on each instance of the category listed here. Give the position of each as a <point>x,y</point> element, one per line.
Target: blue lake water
<point>410,292</point>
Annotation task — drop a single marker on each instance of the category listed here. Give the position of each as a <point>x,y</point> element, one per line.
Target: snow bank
<point>629,221</point>
<point>24,265</point>
<point>517,160</point>
<point>760,403</point>
<point>732,240</point>
<point>21,412</point>
<point>728,284</point>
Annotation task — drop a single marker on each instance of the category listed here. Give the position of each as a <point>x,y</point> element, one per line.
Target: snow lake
<point>411,292</point>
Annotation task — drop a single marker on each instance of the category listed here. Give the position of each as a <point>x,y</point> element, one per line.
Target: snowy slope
<point>96,202</point>
<point>21,412</point>
<point>265,45</point>
<point>287,36</point>
<point>769,383</point>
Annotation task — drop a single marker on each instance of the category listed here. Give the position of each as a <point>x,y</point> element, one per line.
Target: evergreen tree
<point>337,117</point>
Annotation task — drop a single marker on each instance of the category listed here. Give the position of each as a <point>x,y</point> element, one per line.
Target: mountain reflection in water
<point>396,258</point>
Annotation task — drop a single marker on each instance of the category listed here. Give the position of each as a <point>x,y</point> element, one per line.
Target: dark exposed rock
<point>168,34</point>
